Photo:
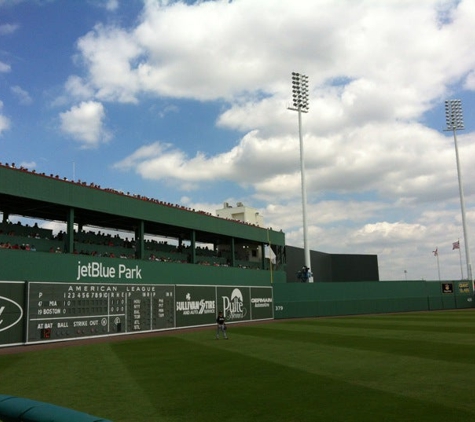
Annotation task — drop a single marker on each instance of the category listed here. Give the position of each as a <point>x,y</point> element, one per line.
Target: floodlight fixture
<point>454,115</point>
<point>299,93</point>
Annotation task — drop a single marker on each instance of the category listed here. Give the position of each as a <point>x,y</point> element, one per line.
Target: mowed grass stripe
<point>205,380</point>
<point>442,334</point>
<point>459,315</point>
<point>459,328</point>
<point>417,377</point>
<point>88,378</point>
<point>353,340</point>
<point>438,320</point>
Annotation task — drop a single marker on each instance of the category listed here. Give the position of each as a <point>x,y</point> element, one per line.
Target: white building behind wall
<point>247,215</point>
<point>241,213</point>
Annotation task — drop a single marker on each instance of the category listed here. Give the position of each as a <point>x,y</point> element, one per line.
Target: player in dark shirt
<point>221,326</point>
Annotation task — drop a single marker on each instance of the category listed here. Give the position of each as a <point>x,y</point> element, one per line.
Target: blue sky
<point>187,102</point>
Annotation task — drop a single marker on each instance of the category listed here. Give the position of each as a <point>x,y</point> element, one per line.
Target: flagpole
<point>438,265</point>
<point>456,245</point>
<point>436,254</point>
<point>460,256</point>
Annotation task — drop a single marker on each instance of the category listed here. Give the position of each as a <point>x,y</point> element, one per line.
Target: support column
<point>193,247</point>
<point>139,240</point>
<point>263,256</point>
<point>233,253</point>
<point>69,238</point>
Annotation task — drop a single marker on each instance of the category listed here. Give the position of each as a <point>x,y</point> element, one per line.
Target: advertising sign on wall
<point>234,302</point>
<point>195,305</point>
<point>11,312</point>
<point>447,288</point>
<point>261,303</point>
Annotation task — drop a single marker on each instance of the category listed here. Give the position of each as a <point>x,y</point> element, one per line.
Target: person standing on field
<point>221,326</point>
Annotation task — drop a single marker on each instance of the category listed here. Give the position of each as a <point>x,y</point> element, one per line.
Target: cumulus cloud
<point>375,171</point>
<point>210,50</point>
<point>85,123</point>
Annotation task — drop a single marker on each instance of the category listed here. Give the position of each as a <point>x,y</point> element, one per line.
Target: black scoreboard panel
<point>61,311</point>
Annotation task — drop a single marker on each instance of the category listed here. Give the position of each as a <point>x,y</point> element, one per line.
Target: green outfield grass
<point>402,367</point>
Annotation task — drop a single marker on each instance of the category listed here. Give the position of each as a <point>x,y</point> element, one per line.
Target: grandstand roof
<point>51,198</point>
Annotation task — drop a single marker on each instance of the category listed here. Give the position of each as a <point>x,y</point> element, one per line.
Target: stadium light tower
<point>301,105</point>
<point>454,120</point>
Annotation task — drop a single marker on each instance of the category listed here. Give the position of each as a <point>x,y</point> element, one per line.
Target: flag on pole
<point>456,245</point>
<point>436,252</point>
<point>269,254</point>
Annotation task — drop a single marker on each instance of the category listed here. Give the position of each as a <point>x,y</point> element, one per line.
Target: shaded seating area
<point>101,222</point>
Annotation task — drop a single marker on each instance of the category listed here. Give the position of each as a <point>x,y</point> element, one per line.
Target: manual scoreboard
<point>65,311</point>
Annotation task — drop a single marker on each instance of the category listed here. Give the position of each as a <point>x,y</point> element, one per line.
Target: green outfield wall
<point>41,266</point>
<point>297,300</point>
<point>67,302</point>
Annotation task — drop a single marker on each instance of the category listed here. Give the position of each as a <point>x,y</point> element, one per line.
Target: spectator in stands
<point>304,274</point>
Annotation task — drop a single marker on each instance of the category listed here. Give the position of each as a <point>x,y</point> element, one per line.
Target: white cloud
<point>30,165</point>
<point>85,123</point>
<point>168,109</point>
<point>8,28</point>
<point>112,5</point>
<point>109,54</point>
<point>78,88</point>
<point>22,95</point>
<point>4,68</point>
<point>210,50</point>
<point>4,121</point>
<point>470,81</point>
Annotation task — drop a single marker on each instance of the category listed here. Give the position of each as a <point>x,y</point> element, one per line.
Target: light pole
<point>454,120</point>
<point>300,105</point>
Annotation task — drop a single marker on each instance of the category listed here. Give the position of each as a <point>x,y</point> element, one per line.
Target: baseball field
<point>399,367</point>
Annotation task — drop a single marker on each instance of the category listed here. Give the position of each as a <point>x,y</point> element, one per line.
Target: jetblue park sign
<point>97,270</point>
